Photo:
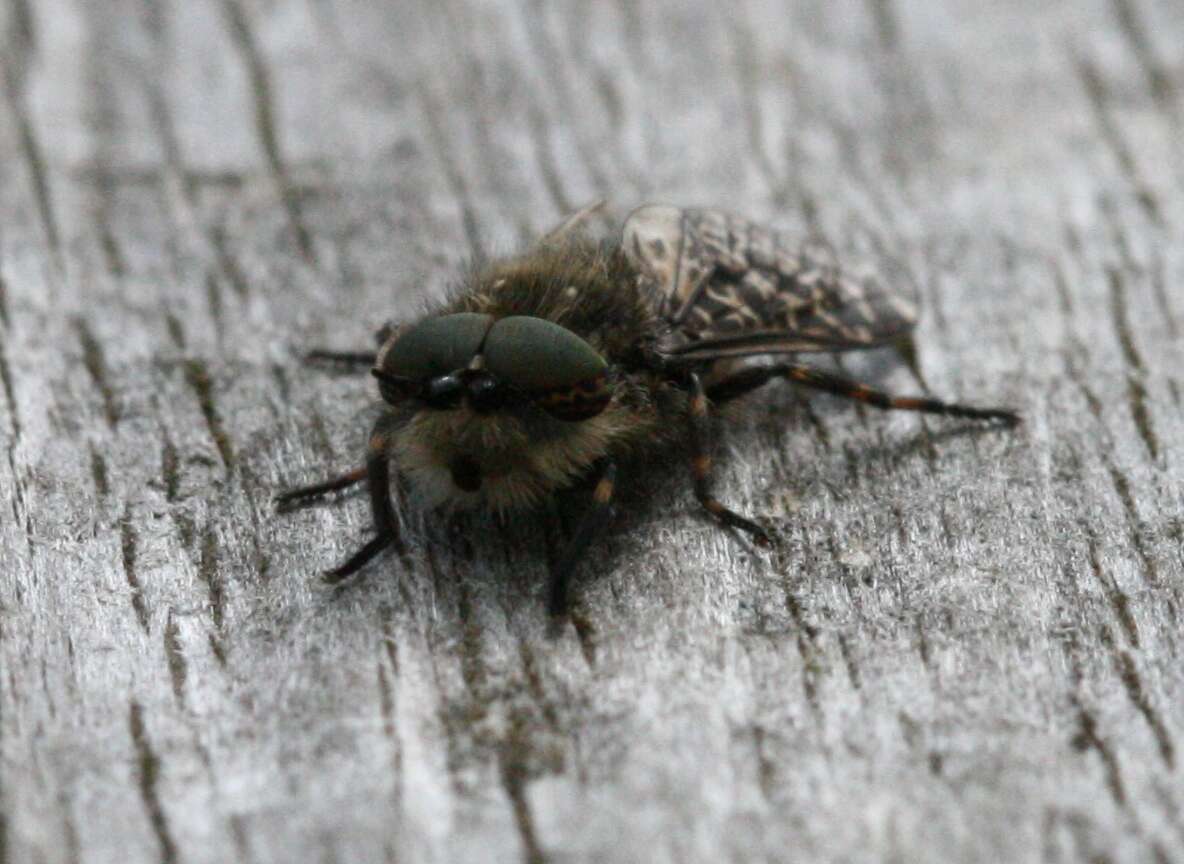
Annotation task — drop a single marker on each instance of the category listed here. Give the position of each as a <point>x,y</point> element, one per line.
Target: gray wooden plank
<point>967,645</point>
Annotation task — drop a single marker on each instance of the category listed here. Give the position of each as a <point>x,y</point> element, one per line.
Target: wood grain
<point>968,643</point>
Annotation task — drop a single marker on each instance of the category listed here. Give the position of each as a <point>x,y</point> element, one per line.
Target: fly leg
<point>377,474</point>
<point>701,469</point>
<point>592,525</point>
<point>378,478</point>
<point>301,494</point>
<point>749,379</point>
<point>357,361</point>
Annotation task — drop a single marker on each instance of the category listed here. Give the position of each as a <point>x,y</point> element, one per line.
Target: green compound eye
<point>564,374</point>
<point>436,346</point>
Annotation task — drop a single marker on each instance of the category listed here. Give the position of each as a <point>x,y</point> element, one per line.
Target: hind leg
<point>749,379</point>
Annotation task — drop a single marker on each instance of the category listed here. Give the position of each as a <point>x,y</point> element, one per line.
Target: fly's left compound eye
<point>559,370</point>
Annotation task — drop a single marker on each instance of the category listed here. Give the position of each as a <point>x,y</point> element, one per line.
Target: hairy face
<point>506,460</point>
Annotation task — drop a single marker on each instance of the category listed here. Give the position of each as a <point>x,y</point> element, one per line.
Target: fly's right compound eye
<point>433,349</point>
<point>436,346</point>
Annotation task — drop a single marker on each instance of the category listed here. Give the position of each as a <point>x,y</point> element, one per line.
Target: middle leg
<point>592,525</point>
<point>701,469</point>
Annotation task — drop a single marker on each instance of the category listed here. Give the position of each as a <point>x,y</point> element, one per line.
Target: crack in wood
<point>552,182</point>
<point>265,123</point>
<point>386,701</point>
<point>1119,481</point>
<point>805,636</point>
<point>218,650</point>
<point>128,547</point>
<point>556,64</point>
<point>181,183</point>
<point>853,673</point>
<point>98,473</point>
<point>10,398</point>
<point>1150,569</point>
<point>432,112</point>
<point>229,267</point>
<point>103,117</point>
<point>743,56</point>
<point>1129,672</point>
<point>170,469</point>
<point>5,320</point>
<point>30,148</point>
<point>197,375</point>
<point>96,366</point>
<point>1111,134</point>
<point>208,571</point>
<point>22,33</point>
<point>20,514</point>
<point>175,656</point>
<point>69,831</point>
<point>1131,26</point>
<point>214,302</point>
<point>1160,292</point>
<point>493,157</point>
<point>1087,738</point>
<point>148,771</point>
<point>885,17</point>
<point>1120,603</point>
<point>176,330</point>
<point>1136,389</point>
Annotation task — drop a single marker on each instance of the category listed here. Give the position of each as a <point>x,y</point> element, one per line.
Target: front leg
<point>359,361</point>
<point>592,525</point>
<point>302,495</point>
<point>701,469</point>
<point>378,476</point>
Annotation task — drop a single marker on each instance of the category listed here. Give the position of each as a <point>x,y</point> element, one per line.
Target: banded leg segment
<point>701,469</point>
<point>378,477</point>
<point>749,379</point>
<point>592,525</point>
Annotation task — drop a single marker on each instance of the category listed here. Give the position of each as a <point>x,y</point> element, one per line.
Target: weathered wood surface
<point>969,645</point>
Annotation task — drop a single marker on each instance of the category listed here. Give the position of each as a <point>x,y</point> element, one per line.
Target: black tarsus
<point>358,560</point>
<point>752,377</point>
<point>592,525</point>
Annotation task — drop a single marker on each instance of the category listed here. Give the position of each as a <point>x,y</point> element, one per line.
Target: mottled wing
<point>731,288</point>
